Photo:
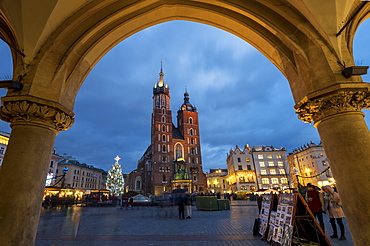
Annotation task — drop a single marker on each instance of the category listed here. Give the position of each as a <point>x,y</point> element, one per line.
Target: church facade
<point>173,160</point>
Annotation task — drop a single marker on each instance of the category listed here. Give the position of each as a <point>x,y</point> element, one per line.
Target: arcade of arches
<point>56,43</point>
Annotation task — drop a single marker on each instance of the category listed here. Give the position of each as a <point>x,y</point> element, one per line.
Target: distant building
<point>79,175</point>
<point>173,161</point>
<point>258,167</point>
<point>311,165</point>
<point>217,181</point>
<point>241,170</point>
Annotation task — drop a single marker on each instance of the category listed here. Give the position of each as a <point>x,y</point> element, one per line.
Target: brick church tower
<point>173,161</point>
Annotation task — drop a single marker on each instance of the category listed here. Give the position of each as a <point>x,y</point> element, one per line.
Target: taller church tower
<point>173,161</point>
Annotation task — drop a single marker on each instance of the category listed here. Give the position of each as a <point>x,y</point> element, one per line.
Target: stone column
<point>35,123</point>
<point>346,140</point>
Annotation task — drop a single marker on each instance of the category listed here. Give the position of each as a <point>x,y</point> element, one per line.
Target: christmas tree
<point>115,183</point>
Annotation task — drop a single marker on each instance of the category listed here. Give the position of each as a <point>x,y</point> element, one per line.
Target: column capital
<point>331,104</point>
<point>36,111</point>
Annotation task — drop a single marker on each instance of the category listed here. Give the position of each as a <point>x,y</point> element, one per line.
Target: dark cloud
<point>242,98</point>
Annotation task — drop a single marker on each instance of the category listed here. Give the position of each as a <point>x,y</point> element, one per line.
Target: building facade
<point>173,160</point>
<point>258,167</point>
<point>241,170</point>
<point>309,164</point>
<point>72,174</point>
<point>217,181</point>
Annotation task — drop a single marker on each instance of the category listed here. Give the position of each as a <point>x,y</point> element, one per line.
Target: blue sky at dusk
<point>242,98</point>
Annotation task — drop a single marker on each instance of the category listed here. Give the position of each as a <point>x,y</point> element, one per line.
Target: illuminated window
<point>269,156</point>
<point>284,180</point>
<point>321,154</point>
<point>260,156</point>
<point>278,156</point>
<point>263,172</point>
<point>282,171</point>
<point>273,171</point>
<point>262,164</point>
<point>274,181</point>
<point>324,163</point>
<point>265,181</point>
<point>280,163</point>
<point>271,163</point>
<point>247,159</point>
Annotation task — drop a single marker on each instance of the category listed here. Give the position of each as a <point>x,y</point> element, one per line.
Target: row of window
<point>269,156</point>
<point>166,138</point>
<point>271,164</point>
<point>240,167</point>
<point>261,157</point>
<point>191,121</point>
<point>165,128</point>
<point>274,181</point>
<point>272,171</point>
<point>93,180</point>
<point>166,148</point>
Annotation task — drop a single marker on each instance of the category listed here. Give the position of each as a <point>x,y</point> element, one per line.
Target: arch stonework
<point>309,41</point>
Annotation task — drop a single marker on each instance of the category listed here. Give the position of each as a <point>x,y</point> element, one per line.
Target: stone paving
<point>153,226</point>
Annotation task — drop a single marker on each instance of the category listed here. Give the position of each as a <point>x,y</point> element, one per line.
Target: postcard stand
<point>291,223</point>
<point>269,203</point>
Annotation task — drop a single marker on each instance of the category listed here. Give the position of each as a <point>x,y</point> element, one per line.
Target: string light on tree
<point>115,183</point>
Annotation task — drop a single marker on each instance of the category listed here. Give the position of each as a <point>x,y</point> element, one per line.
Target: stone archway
<point>54,53</point>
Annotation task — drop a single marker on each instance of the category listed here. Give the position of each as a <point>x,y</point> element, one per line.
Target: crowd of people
<point>326,201</point>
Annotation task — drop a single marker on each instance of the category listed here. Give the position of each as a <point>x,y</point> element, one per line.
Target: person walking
<point>181,205</point>
<point>334,209</point>
<point>316,203</point>
<point>188,202</point>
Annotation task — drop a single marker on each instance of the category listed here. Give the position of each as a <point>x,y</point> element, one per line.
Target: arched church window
<point>190,120</point>
<point>178,151</point>
<point>163,148</point>
<point>163,111</point>
<point>163,119</point>
<point>164,138</point>
<point>164,178</point>
<point>192,151</point>
<point>138,184</point>
<point>163,128</point>
<point>191,132</point>
<point>192,141</point>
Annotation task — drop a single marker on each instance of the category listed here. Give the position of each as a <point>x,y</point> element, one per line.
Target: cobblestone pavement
<point>153,226</point>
